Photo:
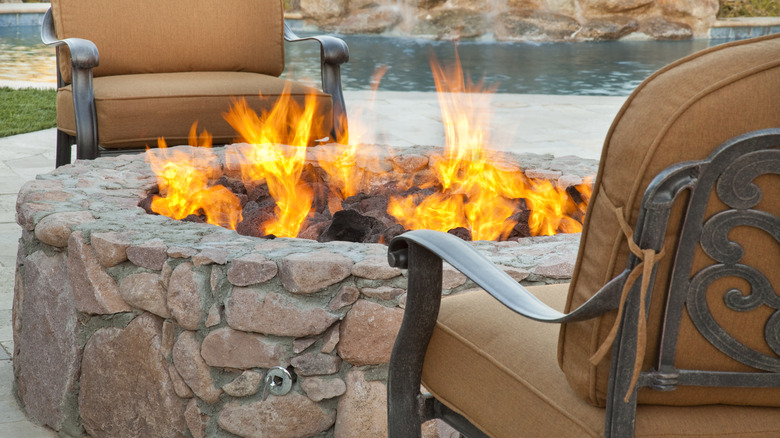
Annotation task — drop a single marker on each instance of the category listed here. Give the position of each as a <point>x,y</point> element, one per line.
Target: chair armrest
<point>333,50</point>
<point>495,281</point>
<point>83,58</point>
<point>83,53</point>
<point>333,53</point>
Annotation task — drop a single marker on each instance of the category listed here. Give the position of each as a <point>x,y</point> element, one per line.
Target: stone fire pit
<point>129,324</point>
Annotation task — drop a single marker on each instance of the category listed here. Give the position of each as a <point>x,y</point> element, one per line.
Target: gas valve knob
<point>278,381</point>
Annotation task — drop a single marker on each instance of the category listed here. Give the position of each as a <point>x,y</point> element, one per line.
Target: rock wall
<point>134,325</point>
<point>514,20</point>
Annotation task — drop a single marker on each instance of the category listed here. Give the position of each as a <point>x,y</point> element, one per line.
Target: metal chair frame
<point>730,169</point>
<point>84,57</point>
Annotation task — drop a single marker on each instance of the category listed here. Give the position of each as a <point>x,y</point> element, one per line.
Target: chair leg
<point>64,144</point>
<point>405,404</point>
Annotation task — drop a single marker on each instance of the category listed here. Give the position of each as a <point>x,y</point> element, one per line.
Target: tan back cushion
<point>683,112</point>
<point>165,36</point>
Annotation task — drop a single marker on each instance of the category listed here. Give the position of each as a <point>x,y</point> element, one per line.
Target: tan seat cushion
<point>134,110</point>
<point>499,370</point>
<point>683,112</point>
<point>159,36</point>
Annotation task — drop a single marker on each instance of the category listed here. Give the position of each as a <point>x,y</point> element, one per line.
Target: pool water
<point>611,68</point>
<point>23,57</point>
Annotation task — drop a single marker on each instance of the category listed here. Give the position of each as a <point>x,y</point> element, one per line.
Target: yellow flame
<point>470,183</point>
<point>184,181</point>
<point>474,192</point>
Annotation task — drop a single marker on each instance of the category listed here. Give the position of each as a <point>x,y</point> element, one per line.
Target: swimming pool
<point>612,68</point>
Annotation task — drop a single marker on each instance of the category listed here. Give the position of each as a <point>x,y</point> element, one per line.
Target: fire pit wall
<point>129,324</point>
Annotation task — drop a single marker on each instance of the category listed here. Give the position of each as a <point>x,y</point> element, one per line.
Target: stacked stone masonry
<point>128,324</point>
<point>515,20</point>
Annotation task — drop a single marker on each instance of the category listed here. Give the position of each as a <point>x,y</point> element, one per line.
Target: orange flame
<point>281,167</point>
<point>474,192</point>
<point>339,161</point>
<point>184,180</point>
<point>470,183</point>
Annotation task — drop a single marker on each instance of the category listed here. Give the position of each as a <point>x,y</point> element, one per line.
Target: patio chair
<point>164,65</point>
<point>681,284</point>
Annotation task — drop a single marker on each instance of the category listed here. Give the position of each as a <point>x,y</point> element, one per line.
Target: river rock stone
<point>110,248</point>
<point>309,273</point>
<point>145,291</point>
<point>559,268</point>
<point>228,348</point>
<point>517,274</point>
<point>209,256</point>
<point>323,9</point>
<point>113,361</point>
<point>289,416</point>
<point>362,410</point>
<point>193,369</point>
<point>246,384</point>
<point>185,296</point>
<point>375,268</point>
<point>330,339</point>
<point>410,163</point>
<point>451,24</point>
<point>321,388</point>
<point>274,314</point>
<point>196,420</point>
<point>151,255</point>
<point>251,269</point>
<point>607,29</point>
<point>316,364</point>
<point>383,292</point>
<point>94,290</point>
<point>29,212</point>
<point>368,332</point>
<point>521,25</point>
<point>451,277</point>
<point>347,295</point>
<point>699,14</point>
<point>302,344</point>
<point>179,385</point>
<point>55,229</point>
<point>47,357</point>
<point>661,29</point>
<point>213,318</point>
<point>613,6</point>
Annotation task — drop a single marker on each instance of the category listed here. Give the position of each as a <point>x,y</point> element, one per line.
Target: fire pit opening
<point>394,191</point>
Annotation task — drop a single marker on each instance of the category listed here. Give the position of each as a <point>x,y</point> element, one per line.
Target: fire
<point>474,191</point>
<point>340,163</point>
<point>185,180</point>
<point>280,167</point>
<point>473,188</point>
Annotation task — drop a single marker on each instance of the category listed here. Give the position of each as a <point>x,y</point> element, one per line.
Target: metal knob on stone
<point>278,381</point>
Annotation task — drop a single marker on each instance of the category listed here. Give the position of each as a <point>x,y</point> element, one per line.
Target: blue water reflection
<point>612,68</point>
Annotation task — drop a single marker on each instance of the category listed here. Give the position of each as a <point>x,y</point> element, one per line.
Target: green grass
<point>26,110</point>
<point>749,8</point>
